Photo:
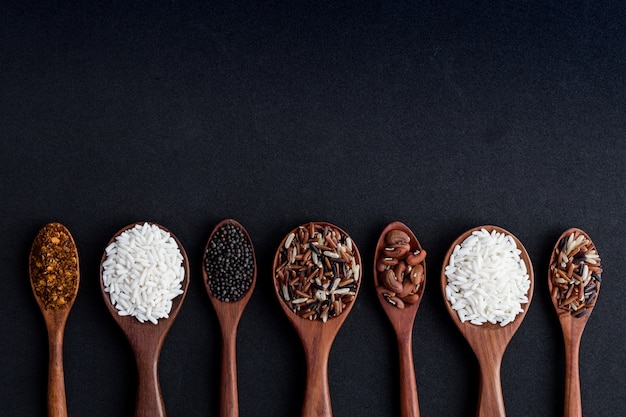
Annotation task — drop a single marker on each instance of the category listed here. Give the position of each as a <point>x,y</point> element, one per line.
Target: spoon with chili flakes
<point>54,278</point>
<point>575,275</point>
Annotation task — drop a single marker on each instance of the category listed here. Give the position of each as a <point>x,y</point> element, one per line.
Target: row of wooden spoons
<point>487,341</point>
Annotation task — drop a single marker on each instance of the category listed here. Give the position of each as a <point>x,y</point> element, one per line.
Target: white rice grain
<point>487,279</point>
<point>143,272</point>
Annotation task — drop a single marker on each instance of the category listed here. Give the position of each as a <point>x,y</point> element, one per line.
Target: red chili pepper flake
<point>54,267</point>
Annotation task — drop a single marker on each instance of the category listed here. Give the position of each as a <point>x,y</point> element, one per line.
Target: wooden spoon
<point>402,321</point>
<point>489,341</point>
<point>146,339</point>
<point>55,318</point>
<point>229,313</point>
<point>572,327</point>
<point>317,338</point>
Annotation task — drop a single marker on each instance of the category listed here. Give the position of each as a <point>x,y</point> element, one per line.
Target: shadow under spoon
<point>146,339</point>
<point>395,302</point>
<point>229,273</point>
<point>316,334</point>
<point>489,341</point>
<point>574,284</point>
<point>54,278</point>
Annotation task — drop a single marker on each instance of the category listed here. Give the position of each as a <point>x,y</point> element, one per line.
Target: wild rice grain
<point>319,286</point>
<point>576,273</point>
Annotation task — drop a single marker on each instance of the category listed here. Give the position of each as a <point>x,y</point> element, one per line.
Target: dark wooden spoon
<point>572,327</point>
<point>146,339</point>
<point>55,323</point>
<point>229,313</point>
<point>489,341</point>
<point>317,338</point>
<point>402,321</point>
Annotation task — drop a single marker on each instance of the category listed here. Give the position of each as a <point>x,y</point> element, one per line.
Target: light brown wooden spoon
<point>55,323</point>
<point>146,339</point>
<point>572,334</point>
<point>489,341</point>
<point>317,338</point>
<point>229,313</point>
<point>402,321</point>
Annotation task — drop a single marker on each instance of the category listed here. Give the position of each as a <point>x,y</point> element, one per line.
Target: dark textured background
<point>443,115</point>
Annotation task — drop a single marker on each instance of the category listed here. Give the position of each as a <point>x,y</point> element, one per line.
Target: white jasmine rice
<point>487,279</point>
<point>143,272</point>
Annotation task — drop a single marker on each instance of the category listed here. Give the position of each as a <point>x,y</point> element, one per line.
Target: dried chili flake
<point>54,267</point>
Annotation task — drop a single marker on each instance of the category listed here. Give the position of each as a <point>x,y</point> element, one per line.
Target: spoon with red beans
<point>400,278</point>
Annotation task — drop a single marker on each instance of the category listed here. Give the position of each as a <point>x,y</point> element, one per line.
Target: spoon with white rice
<point>144,275</point>
<point>487,282</point>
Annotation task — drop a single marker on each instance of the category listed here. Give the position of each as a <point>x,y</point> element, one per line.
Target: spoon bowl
<point>316,335</point>
<point>573,323</point>
<point>55,320</point>
<point>229,313</point>
<point>146,339</point>
<point>488,341</point>
<point>402,320</point>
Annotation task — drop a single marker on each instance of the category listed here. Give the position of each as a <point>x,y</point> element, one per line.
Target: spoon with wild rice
<point>574,281</point>
<point>54,278</point>
<point>317,275</point>
<point>229,273</point>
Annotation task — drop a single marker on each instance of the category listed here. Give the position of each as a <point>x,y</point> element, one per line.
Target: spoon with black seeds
<point>229,273</point>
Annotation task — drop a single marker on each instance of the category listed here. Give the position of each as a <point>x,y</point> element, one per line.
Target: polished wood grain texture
<point>55,324</point>
<point>489,341</point>
<point>229,314</point>
<point>317,338</point>
<point>572,328</point>
<point>402,322</point>
<point>146,340</point>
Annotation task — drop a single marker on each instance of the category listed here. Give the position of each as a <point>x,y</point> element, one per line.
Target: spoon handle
<point>408,387</point>
<point>490,401</point>
<point>149,398</point>
<point>229,402</point>
<point>57,404</point>
<point>573,403</point>
<point>317,394</point>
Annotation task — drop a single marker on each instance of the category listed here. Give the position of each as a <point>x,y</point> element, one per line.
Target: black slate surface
<point>443,115</point>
